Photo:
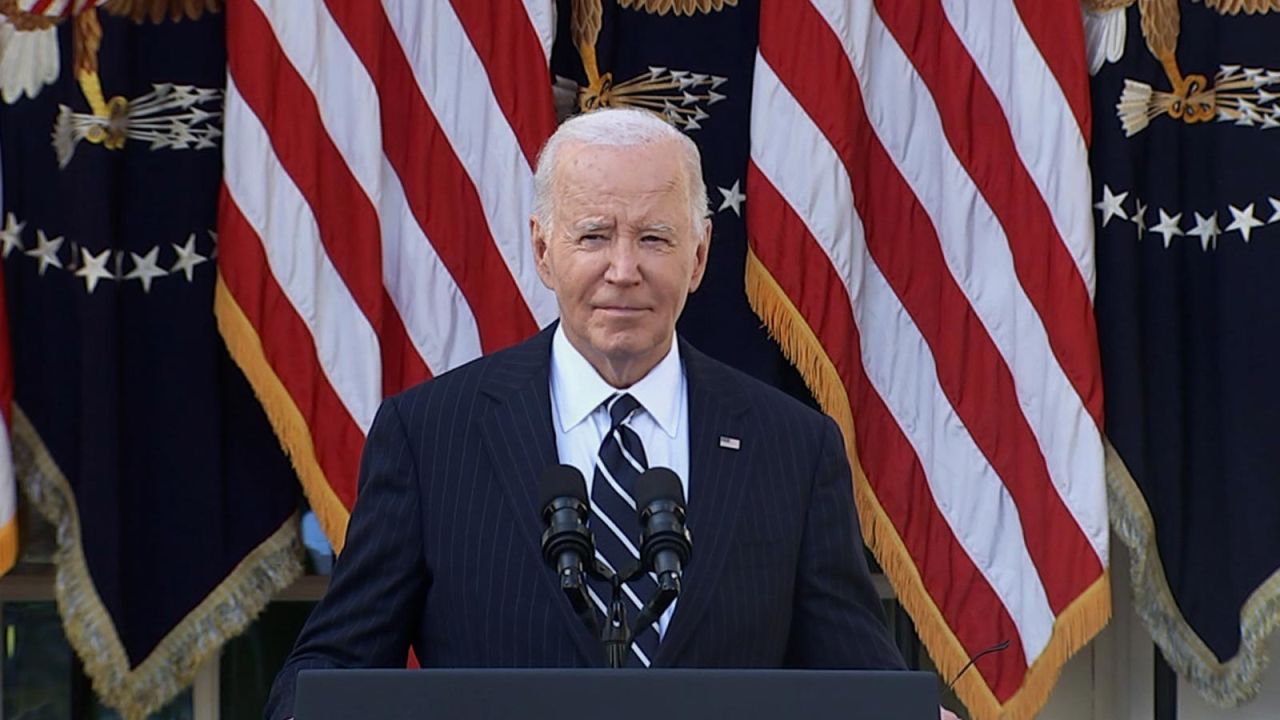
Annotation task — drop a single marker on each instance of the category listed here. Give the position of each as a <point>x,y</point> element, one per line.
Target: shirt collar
<point>579,389</point>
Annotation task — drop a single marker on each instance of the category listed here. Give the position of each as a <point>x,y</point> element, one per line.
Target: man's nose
<point>624,262</point>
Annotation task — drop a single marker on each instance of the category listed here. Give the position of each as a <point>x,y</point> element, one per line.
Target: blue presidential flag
<point>134,433</point>
<point>1186,152</point>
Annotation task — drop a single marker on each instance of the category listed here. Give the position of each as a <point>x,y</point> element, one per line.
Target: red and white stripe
<point>57,8</point>
<point>377,193</point>
<point>919,188</point>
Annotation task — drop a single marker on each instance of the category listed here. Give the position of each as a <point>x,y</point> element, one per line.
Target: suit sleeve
<point>379,583</point>
<point>837,620</point>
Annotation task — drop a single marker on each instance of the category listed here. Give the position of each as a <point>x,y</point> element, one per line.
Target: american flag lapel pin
<point>731,443</point>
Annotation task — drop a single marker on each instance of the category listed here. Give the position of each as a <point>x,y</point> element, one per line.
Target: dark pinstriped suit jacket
<point>443,546</point>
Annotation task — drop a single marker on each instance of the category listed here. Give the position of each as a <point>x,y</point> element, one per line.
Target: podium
<point>654,694</point>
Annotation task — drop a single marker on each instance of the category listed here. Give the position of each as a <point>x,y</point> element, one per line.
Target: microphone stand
<point>616,635</point>
<point>665,545</point>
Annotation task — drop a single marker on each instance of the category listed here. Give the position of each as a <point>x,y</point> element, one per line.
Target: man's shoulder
<point>782,409</point>
<point>488,373</point>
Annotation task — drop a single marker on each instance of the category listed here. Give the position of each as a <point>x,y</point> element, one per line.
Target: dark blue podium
<point>615,694</point>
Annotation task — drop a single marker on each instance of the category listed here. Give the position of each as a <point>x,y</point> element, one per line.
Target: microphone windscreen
<point>658,484</point>
<point>561,481</point>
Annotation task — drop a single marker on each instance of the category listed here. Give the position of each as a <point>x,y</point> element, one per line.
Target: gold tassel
<point>290,427</point>
<point>1226,684</point>
<point>9,544</point>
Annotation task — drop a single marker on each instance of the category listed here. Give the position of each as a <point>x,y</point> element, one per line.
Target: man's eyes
<point>648,240</point>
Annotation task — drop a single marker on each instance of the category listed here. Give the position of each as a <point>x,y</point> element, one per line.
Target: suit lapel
<point>521,443</point>
<point>716,406</point>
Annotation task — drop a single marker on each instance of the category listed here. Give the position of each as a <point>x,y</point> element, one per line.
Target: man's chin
<point>621,351</point>
<point>625,349</point>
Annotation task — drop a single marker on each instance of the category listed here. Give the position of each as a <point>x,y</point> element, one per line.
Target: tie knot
<point>620,407</point>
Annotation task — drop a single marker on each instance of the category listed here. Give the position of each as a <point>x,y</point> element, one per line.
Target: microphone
<point>665,543</point>
<point>566,543</point>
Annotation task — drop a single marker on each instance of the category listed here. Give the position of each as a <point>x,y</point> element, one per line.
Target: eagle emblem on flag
<point>1245,96</point>
<point>681,96</point>
<point>169,116</point>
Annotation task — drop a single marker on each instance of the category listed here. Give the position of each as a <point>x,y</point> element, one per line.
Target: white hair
<point>617,127</point>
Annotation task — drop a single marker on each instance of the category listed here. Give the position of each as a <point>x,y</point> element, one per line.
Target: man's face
<point>620,253</point>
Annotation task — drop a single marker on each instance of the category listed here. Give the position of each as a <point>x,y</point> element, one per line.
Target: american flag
<point>920,224</point>
<point>374,219</point>
<point>922,244</point>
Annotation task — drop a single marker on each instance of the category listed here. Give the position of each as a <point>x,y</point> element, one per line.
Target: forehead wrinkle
<point>565,188</point>
<point>562,186</point>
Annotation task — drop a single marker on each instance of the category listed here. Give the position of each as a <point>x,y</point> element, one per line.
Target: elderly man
<point>442,553</point>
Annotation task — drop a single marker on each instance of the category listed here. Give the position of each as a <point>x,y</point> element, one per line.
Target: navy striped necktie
<point>614,523</point>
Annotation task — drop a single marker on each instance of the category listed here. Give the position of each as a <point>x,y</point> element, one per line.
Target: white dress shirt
<point>578,394</point>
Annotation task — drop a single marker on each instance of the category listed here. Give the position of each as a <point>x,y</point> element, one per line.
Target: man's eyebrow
<point>593,224</point>
<point>658,227</point>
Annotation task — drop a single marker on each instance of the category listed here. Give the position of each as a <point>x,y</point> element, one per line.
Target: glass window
<point>43,680</point>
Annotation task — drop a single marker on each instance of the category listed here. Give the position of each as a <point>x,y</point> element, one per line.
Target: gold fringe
<point>173,664</point>
<point>1226,684</point>
<point>1074,627</point>
<point>9,544</point>
<point>291,428</point>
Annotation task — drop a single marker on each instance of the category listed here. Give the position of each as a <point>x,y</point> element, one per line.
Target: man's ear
<point>700,257</point>
<point>541,244</point>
